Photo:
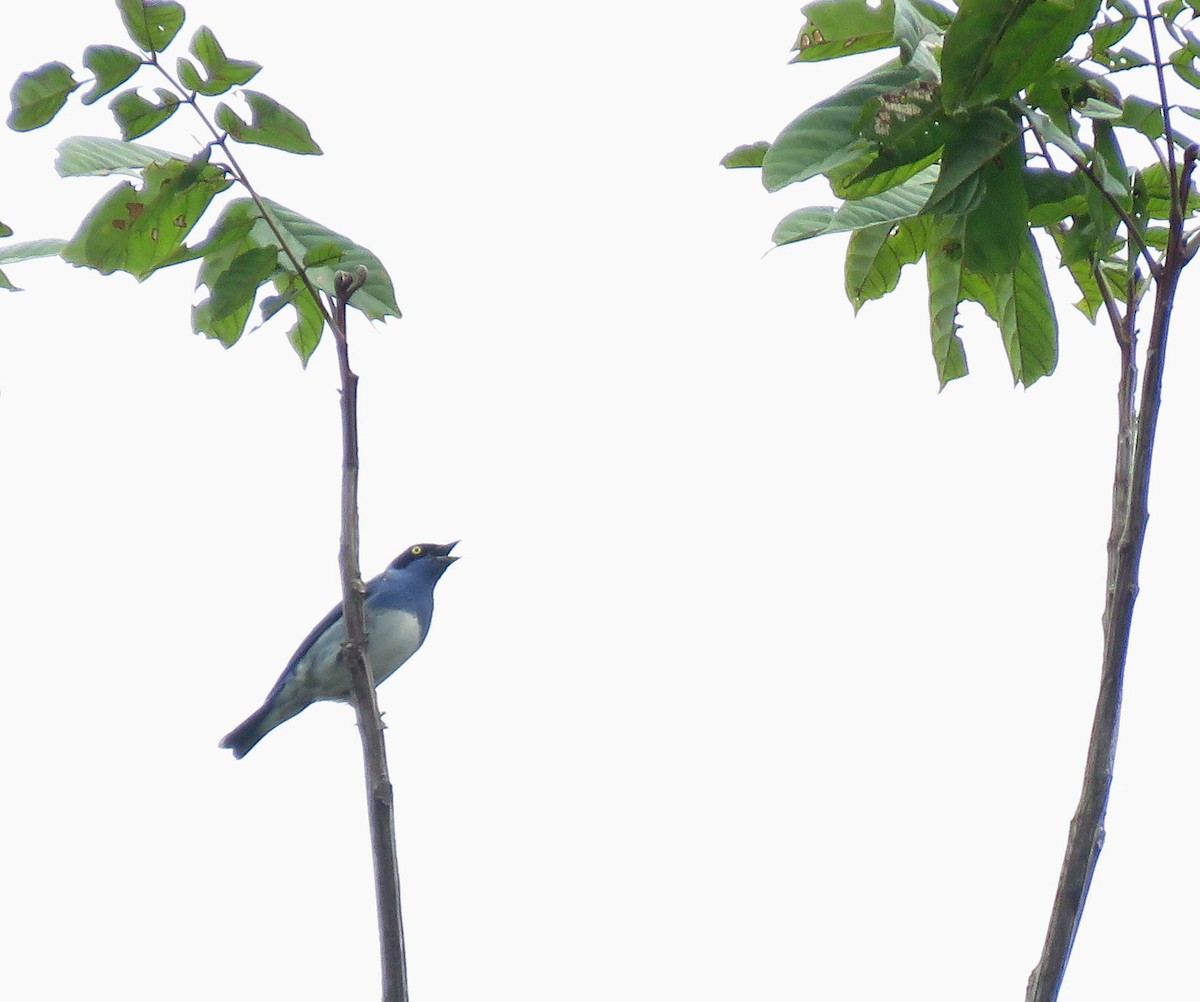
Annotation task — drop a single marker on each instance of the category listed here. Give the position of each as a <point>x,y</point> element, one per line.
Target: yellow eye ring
<point>417,551</point>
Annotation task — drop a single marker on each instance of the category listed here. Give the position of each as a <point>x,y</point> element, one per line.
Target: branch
<point>1130,514</point>
<point>1084,168</point>
<point>379,786</point>
<point>219,139</point>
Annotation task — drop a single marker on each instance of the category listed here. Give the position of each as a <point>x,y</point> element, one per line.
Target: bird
<point>398,605</point>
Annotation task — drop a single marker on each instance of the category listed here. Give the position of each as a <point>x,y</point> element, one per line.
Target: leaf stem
<point>220,139</point>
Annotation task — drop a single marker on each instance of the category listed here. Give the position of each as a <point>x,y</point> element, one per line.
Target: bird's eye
<point>417,551</point>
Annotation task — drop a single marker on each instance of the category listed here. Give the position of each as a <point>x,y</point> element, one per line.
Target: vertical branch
<point>379,786</point>
<point>1137,425</point>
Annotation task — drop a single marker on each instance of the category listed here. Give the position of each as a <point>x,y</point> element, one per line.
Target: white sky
<point>767,671</point>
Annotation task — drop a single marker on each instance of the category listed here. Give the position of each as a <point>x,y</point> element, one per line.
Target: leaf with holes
<point>151,24</point>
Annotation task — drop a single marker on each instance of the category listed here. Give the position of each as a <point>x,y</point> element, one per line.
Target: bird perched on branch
<point>398,606</point>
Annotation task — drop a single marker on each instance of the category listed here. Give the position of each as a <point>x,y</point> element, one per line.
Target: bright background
<point>767,672</point>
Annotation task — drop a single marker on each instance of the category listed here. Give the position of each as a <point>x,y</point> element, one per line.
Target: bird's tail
<point>249,732</point>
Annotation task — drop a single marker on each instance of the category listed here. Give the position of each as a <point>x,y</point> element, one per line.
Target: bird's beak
<point>448,547</point>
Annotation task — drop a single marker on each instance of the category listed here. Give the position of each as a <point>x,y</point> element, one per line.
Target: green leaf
<point>827,135</point>
<point>239,283</point>
<point>905,127</point>
<point>223,72</point>
<point>305,334</point>
<point>863,177</point>
<point>1105,34</point>
<point>914,22</point>
<point>1100,110</point>
<point>944,264</point>
<point>111,65</point>
<point>993,50</point>
<point>973,141</point>
<point>997,230</point>
<point>1022,309</point>
<point>1052,196</point>
<point>323,254</point>
<point>152,24</point>
<point>271,125</point>
<point>139,231</point>
<point>1051,133</point>
<point>901,202</point>
<point>229,238</point>
<point>877,254</point>
<point>39,95</point>
<point>1144,116</point>
<point>746,156</point>
<point>5,230</point>
<point>99,156</point>
<point>1182,63</point>
<point>30,249</point>
<point>842,28</point>
<point>136,116</point>
<point>376,299</point>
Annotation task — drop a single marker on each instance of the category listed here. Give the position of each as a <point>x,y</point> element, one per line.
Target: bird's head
<point>431,556</point>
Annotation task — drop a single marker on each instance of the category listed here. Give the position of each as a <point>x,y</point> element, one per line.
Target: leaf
<point>1052,196</point>
<point>229,238</point>
<point>914,22</point>
<point>944,265</point>
<point>973,141</point>
<point>1181,63</point>
<point>136,116</point>
<point>271,125</point>
<point>39,95</point>
<point>1144,116</point>
<point>827,135</point>
<point>239,283</point>
<point>997,229</point>
<point>323,254</point>
<point>305,334</point>
<point>877,254</point>
<point>993,50</point>
<point>862,178</point>
<point>99,156</point>
<point>891,206</point>
<point>842,28</point>
<point>376,299</point>
<point>5,230</point>
<point>223,72</point>
<point>111,65</point>
<point>152,24</point>
<point>750,155</point>
<point>30,249</point>
<point>139,231</point>
<point>1024,312</point>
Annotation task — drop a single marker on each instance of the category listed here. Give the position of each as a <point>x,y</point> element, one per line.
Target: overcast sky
<point>768,670</point>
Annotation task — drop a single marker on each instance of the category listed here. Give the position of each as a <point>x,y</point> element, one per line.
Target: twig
<point>219,139</point>
<point>379,786</point>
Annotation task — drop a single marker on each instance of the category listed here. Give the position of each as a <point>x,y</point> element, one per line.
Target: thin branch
<point>380,800</point>
<point>1117,207</point>
<point>220,139</point>
<point>1131,487</point>
<point>1168,132</point>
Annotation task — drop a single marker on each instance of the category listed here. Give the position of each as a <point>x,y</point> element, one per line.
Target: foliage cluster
<point>254,244</point>
<point>993,121</point>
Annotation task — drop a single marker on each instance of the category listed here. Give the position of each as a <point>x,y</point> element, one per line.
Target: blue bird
<point>398,605</point>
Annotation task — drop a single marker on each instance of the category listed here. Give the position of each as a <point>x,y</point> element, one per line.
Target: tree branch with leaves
<point>257,253</point>
<point>1001,131</point>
